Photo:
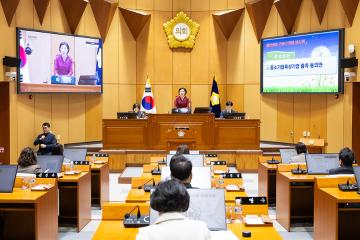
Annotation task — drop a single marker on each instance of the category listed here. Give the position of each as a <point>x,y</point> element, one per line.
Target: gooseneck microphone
<point>147,187</point>
<point>156,171</point>
<point>138,215</point>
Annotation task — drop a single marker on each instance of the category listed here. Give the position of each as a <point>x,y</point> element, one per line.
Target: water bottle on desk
<point>238,210</point>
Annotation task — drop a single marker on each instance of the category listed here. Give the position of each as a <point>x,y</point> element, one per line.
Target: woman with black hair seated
<point>301,150</point>
<point>171,200</point>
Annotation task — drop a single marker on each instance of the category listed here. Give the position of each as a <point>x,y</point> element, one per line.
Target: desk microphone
<point>298,170</point>
<point>348,187</point>
<point>131,221</point>
<point>147,187</point>
<point>156,171</point>
<point>273,161</point>
<point>162,162</point>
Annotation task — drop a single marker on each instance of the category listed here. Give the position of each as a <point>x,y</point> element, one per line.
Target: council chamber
<point>179,119</point>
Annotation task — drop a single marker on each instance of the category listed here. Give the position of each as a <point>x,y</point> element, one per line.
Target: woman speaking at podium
<point>182,103</point>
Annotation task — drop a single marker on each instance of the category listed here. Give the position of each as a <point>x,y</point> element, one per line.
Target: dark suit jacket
<point>342,170</point>
<point>50,142</point>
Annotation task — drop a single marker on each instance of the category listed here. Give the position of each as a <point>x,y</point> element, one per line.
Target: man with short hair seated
<point>183,149</point>
<point>171,199</point>
<point>181,169</point>
<point>346,157</point>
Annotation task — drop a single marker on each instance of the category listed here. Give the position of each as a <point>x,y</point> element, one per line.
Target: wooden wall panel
<point>181,65</point>
<point>268,129</point>
<point>163,5</point>
<point>25,124</point>
<point>235,54</point>
<point>200,5</point>
<point>145,52</point>
<point>93,118</point>
<point>233,4</point>
<point>218,56</point>
<point>252,53</point>
<point>200,95</point>
<point>318,120</point>
<point>127,4</point>
<point>60,116</point>
<point>181,5</point>
<point>43,109</point>
<point>163,70</point>
<point>110,100</point>
<point>302,22</point>
<point>335,123</point>
<point>348,109</point>
<point>111,52</point>
<point>301,115</point>
<point>271,24</point>
<point>126,53</point>
<point>336,14</point>
<point>145,4</point>
<point>252,101</point>
<point>285,118</point>
<point>127,97</point>
<point>164,98</point>
<point>76,118</point>
<point>235,93</point>
<point>24,14</point>
<point>200,54</point>
<point>315,25</point>
<point>218,4</point>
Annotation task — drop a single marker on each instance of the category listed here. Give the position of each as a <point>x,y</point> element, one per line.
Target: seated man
<point>172,200</point>
<point>181,169</point>
<point>46,140</point>
<point>227,110</point>
<point>346,158</point>
<point>183,149</point>
<point>301,150</point>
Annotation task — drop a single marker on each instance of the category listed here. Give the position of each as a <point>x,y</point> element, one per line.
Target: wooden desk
<point>160,131</point>
<point>75,200</point>
<point>99,184</point>
<point>295,198</point>
<point>337,214</point>
<point>267,182</point>
<point>230,196</point>
<point>27,214</point>
<point>137,195</point>
<point>114,229</point>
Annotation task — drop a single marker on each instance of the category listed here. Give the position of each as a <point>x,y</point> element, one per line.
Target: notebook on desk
<point>207,205</point>
<point>50,163</point>
<point>7,178</point>
<point>321,163</point>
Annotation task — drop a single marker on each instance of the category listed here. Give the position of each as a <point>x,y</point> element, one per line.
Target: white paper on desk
<point>221,235</point>
<point>253,220</point>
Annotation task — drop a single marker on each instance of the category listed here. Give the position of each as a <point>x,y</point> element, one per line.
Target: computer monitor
<point>7,178</point>
<point>207,205</point>
<point>126,115</point>
<point>201,176</point>
<point>357,175</point>
<point>75,154</point>
<point>235,115</point>
<point>202,110</point>
<point>50,163</point>
<point>197,160</point>
<point>321,163</point>
<point>287,154</point>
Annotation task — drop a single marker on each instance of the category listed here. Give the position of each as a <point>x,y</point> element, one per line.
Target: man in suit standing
<point>46,140</point>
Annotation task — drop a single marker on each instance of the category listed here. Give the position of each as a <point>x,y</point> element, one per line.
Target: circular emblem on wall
<point>181,31</point>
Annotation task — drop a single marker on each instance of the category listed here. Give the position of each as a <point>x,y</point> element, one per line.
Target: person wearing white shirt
<point>171,200</point>
<point>301,150</point>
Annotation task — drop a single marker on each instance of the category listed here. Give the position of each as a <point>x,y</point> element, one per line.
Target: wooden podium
<point>167,131</point>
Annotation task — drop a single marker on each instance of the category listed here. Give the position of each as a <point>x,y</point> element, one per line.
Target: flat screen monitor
<point>235,115</point>
<point>201,176</point>
<point>7,178</point>
<point>303,63</point>
<point>50,163</point>
<point>126,115</point>
<point>202,110</point>
<point>207,205</point>
<point>287,154</point>
<point>197,160</point>
<point>357,175</point>
<point>58,63</point>
<point>180,111</point>
<point>75,154</point>
<point>321,163</point>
